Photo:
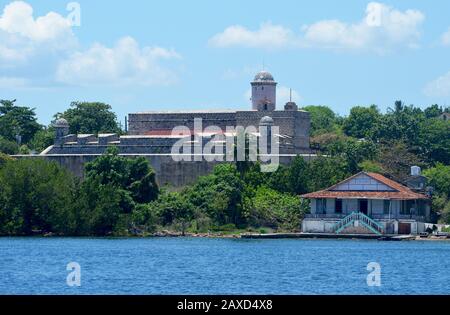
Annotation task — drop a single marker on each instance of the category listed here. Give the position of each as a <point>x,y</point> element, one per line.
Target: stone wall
<point>294,124</point>
<point>168,171</point>
<point>142,123</point>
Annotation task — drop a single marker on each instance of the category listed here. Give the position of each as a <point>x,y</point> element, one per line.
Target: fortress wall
<point>283,119</point>
<point>295,124</point>
<point>141,123</point>
<point>141,145</point>
<point>168,172</point>
<point>301,130</point>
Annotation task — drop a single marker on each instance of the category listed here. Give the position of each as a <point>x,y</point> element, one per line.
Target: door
<point>363,206</point>
<point>404,228</point>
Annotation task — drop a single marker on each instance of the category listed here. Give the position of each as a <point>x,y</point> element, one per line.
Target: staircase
<point>362,219</point>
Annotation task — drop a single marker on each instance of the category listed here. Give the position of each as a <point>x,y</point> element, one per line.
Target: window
<point>407,207</point>
<point>386,206</point>
<point>338,205</point>
<point>321,206</point>
<point>421,207</point>
<point>262,88</point>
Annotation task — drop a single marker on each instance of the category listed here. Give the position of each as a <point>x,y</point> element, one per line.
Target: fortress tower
<point>61,130</point>
<point>264,92</point>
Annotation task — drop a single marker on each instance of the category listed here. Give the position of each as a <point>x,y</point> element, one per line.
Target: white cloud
<point>22,35</point>
<point>283,96</point>
<point>381,30</point>
<point>124,64</point>
<point>439,87</point>
<point>445,39</point>
<point>13,82</point>
<point>42,50</point>
<point>268,36</point>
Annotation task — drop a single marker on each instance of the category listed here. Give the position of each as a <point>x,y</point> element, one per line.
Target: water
<point>221,266</point>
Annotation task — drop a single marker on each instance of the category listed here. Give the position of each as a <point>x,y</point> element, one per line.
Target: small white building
<point>367,203</point>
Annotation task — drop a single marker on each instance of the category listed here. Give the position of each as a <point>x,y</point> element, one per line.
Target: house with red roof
<point>367,203</point>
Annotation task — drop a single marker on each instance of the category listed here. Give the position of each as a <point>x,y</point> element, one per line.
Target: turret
<point>264,92</point>
<point>61,130</point>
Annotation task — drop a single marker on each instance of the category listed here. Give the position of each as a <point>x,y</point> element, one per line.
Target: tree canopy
<point>91,117</point>
<point>17,121</point>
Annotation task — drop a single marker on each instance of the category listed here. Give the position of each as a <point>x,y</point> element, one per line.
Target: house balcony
<point>339,216</point>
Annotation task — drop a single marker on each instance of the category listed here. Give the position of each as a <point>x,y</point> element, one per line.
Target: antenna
<point>290,95</point>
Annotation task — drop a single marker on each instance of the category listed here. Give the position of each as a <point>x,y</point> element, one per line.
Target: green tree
<point>402,123</point>
<point>8,147</point>
<point>17,121</point>
<point>439,178</point>
<point>113,188</point>
<point>219,195</point>
<point>133,175</point>
<point>371,166</point>
<point>174,208</point>
<point>95,117</point>
<point>434,140</point>
<point>445,214</point>
<point>433,111</point>
<point>323,119</point>
<point>270,208</point>
<point>352,150</point>
<point>362,122</point>
<point>35,195</point>
<point>298,176</point>
<point>42,139</point>
<point>4,158</point>
<point>145,218</point>
<point>100,207</point>
<point>327,171</point>
<point>397,159</point>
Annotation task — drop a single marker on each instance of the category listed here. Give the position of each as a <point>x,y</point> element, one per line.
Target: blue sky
<point>174,55</point>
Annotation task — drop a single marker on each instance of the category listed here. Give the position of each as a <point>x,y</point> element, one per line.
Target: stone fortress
<point>150,135</point>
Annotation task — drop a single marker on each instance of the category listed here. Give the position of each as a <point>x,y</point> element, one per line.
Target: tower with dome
<point>264,92</point>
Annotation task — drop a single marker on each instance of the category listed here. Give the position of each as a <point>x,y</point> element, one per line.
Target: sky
<point>199,54</point>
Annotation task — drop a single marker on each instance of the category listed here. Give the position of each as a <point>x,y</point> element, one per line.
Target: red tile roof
<point>401,192</point>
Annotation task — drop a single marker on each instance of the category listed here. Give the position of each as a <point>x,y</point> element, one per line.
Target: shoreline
<point>224,235</point>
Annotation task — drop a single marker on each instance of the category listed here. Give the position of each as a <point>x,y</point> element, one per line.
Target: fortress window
<point>262,88</point>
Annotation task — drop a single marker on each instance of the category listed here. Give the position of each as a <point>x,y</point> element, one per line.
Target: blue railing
<point>363,219</point>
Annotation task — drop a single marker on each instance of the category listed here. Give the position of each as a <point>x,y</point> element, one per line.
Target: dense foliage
<point>390,144</point>
<point>119,196</point>
<point>21,133</point>
<point>35,196</point>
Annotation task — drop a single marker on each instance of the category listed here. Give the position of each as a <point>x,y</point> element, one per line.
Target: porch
<point>340,216</point>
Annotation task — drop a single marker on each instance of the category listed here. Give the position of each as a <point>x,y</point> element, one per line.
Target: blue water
<point>222,266</point>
